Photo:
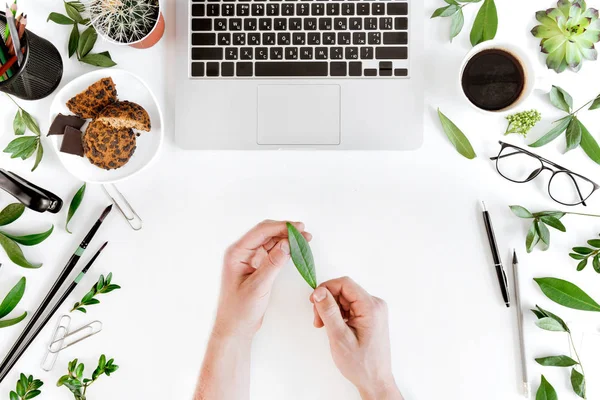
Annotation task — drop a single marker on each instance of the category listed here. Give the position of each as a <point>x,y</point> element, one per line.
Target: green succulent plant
<point>568,34</point>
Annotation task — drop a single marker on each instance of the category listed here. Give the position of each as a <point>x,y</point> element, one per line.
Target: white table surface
<point>405,225</point>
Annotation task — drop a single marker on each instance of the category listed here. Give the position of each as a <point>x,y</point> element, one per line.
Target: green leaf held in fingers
<point>567,294</point>
<point>486,23</point>
<point>15,254</point>
<point>11,213</point>
<point>546,391</point>
<point>74,206</point>
<point>456,137</point>
<point>302,255</point>
<point>556,361</point>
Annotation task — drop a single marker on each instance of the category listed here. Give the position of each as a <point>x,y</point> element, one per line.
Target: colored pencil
<point>14,33</point>
<point>16,350</point>
<point>11,61</point>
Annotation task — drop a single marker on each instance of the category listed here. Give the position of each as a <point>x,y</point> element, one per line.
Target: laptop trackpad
<point>298,114</point>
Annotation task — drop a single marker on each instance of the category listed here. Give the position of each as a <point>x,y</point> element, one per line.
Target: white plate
<point>129,87</point>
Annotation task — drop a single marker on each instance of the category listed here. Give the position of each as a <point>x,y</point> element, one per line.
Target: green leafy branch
<point>575,132</point>
<point>11,301</point>
<point>27,388</point>
<point>539,232</point>
<point>103,286</point>
<point>23,147</point>
<point>81,44</point>
<point>10,243</point>
<point>485,25</point>
<point>583,254</point>
<point>77,384</point>
<point>551,322</point>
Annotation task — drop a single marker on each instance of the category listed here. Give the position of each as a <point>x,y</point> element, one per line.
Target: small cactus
<point>124,21</point>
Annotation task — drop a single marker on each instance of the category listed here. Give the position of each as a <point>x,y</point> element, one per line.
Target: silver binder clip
<point>60,332</point>
<point>133,219</point>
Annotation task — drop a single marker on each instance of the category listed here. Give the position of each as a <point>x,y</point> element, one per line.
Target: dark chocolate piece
<point>62,121</point>
<point>72,142</point>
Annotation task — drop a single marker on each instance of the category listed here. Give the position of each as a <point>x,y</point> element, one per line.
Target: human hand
<point>357,327</point>
<point>250,267</point>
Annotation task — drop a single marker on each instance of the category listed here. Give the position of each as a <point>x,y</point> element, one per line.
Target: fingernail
<point>285,247</point>
<point>319,294</point>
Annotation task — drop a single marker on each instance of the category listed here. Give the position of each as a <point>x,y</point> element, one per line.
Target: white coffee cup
<point>531,80</point>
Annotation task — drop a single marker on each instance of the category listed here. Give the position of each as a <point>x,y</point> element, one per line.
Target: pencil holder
<point>41,71</point>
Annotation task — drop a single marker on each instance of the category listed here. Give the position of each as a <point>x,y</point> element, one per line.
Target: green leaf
<point>458,21</point>
<point>561,99</point>
<point>110,288</point>
<point>22,147</point>
<point>100,283</point>
<point>556,361</point>
<point>559,127</point>
<point>555,214</point>
<point>538,314</point>
<point>543,231</point>
<point>577,256</point>
<point>73,12</point>
<point>21,388</point>
<point>79,371</point>
<point>583,250</point>
<point>13,396</point>
<point>595,104</point>
<point>75,203</point>
<point>532,238</point>
<point>32,394</point>
<point>573,134</point>
<point>302,256</point>
<point>567,294</point>
<point>589,144</point>
<point>446,11</point>
<point>553,222</point>
<point>596,263</point>
<point>39,156</point>
<point>30,240</point>
<point>15,253</point>
<point>18,124</point>
<point>521,212</point>
<point>30,122</point>
<point>102,362</point>
<point>99,60</point>
<point>456,137</point>
<point>594,243</point>
<point>578,383</point>
<point>582,264</point>
<point>59,19</point>
<point>87,41</point>
<point>11,213</point>
<point>73,40</point>
<point>486,23</point>
<point>546,391</point>
<point>12,298</point>
<point>5,323</point>
<point>549,324</point>
<point>92,302</point>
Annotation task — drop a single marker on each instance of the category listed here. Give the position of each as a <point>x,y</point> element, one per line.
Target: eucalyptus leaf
<point>11,213</point>
<point>556,361</point>
<point>578,383</point>
<point>456,137</point>
<point>14,252</point>
<point>567,294</point>
<point>546,391</point>
<point>561,99</point>
<point>302,255</point>
<point>18,124</point>
<point>74,206</point>
<point>486,23</point>
<point>12,298</point>
<point>30,240</point>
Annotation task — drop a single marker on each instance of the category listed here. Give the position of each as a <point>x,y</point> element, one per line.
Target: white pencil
<point>526,391</point>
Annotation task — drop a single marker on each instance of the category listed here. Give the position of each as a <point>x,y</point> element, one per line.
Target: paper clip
<point>72,338</point>
<point>60,332</point>
<point>133,219</point>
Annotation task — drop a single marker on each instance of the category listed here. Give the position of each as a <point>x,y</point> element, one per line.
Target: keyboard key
<point>400,23</point>
<point>197,69</point>
<point>261,53</point>
<point>336,53</point>
<point>212,10</point>
<point>227,10</point>
<point>204,39</point>
<point>281,24</point>
<point>291,53</point>
<point>227,69</point>
<point>351,53</point>
<point>239,39</point>
<point>273,9</point>
<point>283,39</point>
<point>328,38</point>
<point>400,72</point>
<point>363,8</point>
<point>250,24</point>
<point>212,69</point>
<point>325,24</point>
<point>355,68</point>
<point>207,53</point>
<point>201,25</point>
<point>235,24</point>
<point>338,68</point>
<point>276,53</point>
<point>385,23</point>
<point>397,8</point>
<point>370,72</point>
<point>366,53</point>
<point>318,9</point>
<point>340,24</point>
<point>306,53</point>
<point>385,68</point>
<point>333,9</point>
<point>347,8</point>
<point>224,39</point>
<point>295,24</point>
<point>391,53</point>
<point>231,53</point>
<point>359,38</point>
<point>290,68</point>
<point>265,24</point>
<point>374,37</point>
<point>314,38</point>
<point>246,53</point>
<point>395,38</point>
<point>258,10</point>
<point>269,39</point>
<point>302,9</point>
<point>299,38</point>
<point>310,24</point>
<point>371,24</point>
<point>356,24</point>
<point>199,10</point>
<point>253,39</point>
<point>243,69</point>
<point>287,9</point>
<point>243,10</point>
<point>220,24</point>
<point>321,53</point>
<point>344,38</point>
<point>378,8</point>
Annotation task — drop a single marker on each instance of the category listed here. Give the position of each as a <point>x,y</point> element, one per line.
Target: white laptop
<point>299,74</point>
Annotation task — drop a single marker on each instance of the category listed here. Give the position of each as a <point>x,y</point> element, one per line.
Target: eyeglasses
<point>565,187</point>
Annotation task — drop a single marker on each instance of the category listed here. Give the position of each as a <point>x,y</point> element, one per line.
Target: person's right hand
<point>357,327</point>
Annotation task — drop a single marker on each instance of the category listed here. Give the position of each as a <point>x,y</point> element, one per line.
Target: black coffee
<point>493,79</point>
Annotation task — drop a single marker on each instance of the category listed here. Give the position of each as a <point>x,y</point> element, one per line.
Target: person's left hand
<point>249,270</point>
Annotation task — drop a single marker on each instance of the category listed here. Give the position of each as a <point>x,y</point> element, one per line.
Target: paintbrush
<point>15,352</point>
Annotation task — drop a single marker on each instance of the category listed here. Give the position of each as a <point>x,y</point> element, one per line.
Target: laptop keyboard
<point>299,38</point>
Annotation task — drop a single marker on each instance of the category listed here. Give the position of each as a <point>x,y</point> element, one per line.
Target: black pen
<point>496,256</point>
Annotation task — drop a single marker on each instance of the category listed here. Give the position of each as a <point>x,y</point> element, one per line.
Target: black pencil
<point>15,352</point>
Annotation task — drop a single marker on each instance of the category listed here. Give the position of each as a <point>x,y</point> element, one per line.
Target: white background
<point>405,225</point>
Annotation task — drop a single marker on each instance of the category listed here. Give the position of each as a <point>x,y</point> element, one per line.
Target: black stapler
<point>32,196</point>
